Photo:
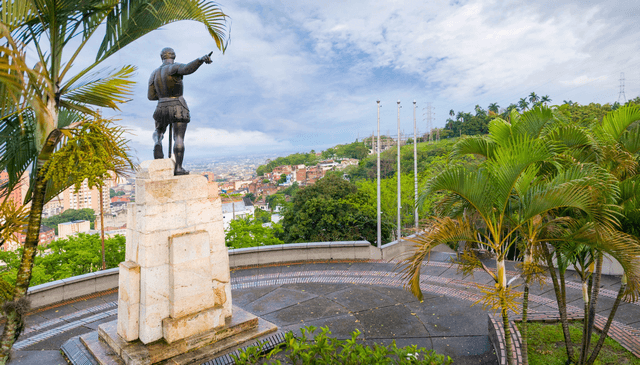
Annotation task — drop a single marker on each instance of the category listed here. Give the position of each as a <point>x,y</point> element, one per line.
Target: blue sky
<point>302,75</point>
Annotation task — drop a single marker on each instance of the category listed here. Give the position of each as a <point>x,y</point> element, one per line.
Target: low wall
<point>77,286</point>
<point>73,287</point>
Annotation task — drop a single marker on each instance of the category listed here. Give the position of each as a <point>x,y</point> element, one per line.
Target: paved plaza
<point>363,295</point>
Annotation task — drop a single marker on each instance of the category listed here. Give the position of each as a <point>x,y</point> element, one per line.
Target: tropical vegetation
<point>49,117</point>
<point>561,192</point>
<point>313,347</point>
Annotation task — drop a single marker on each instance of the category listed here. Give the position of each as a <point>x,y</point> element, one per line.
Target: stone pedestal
<point>175,280</point>
<point>174,300</point>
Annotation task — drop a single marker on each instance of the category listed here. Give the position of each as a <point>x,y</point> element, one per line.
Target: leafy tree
<point>332,209</point>
<point>247,232</point>
<point>45,112</point>
<point>308,159</point>
<point>283,179</point>
<point>70,215</point>
<point>262,215</point>
<point>112,193</point>
<point>494,107</point>
<point>76,255</point>
<point>251,196</point>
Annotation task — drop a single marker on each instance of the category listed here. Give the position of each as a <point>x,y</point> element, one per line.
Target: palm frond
<point>104,89</point>
<point>477,145</point>
<point>441,230</point>
<point>616,122</point>
<point>131,19</point>
<point>532,122</point>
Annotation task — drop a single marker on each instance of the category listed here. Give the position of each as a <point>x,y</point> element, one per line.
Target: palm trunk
<point>528,260</point>
<point>525,325</point>
<point>595,291</point>
<point>562,307</point>
<point>502,287</point>
<point>605,330</point>
<point>104,264</point>
<point>585,323</point>
<point>16,309</point>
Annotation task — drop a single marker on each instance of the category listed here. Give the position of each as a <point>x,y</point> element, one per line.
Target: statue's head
<point>167,52</point>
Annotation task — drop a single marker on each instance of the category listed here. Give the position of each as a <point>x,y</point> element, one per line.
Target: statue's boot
<point>178,169</point>
<point>157,151</point>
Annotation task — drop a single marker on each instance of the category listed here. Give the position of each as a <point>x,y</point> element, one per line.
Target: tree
<point>452,113</point>
<point>533,98</point>
<point>545,99</point>
<point>494,107</point>
<point>332,209</point>
<point>75,255</point>
<point>477,204</point>
<point>247,232</point>
<point>44,110</point>
<point>70,215</point>
<point>523,104</point>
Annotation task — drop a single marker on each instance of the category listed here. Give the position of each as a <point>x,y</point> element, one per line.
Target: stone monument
<point>174,299</point>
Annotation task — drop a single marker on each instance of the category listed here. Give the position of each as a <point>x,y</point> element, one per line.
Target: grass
<point>546,346</point>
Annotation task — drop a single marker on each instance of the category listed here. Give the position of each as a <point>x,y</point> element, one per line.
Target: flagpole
<point>379,242</point>
<point>399,189</point>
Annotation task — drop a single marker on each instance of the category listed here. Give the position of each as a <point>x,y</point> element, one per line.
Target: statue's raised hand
<point>206,58</point>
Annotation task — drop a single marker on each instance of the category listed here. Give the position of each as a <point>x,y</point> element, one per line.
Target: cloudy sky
<point>302,75</point>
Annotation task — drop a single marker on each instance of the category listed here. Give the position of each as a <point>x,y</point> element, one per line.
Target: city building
<point>70,228</point>
<point>47,235</point>
<point>86,197</point>
<point>236,209</point>
<point>19,192</point>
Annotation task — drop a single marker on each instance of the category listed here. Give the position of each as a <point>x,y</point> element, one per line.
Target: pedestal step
<point>110,349</point>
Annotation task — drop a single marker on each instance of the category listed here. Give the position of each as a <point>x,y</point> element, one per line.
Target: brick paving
<point>343,295</point>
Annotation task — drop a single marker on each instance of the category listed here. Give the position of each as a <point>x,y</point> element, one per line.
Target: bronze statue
<point>165,85</point>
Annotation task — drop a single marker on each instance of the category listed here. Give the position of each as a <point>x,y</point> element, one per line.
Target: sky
<point>303,75</point>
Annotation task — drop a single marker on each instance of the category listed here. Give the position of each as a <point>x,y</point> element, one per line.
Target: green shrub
<point>320,348</point>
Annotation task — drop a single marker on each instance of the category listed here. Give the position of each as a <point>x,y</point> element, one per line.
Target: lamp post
<point>379,242</point>
<point>399,190</point>
<point>415,164</point>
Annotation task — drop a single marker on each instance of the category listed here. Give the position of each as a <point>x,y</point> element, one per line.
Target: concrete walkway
<point>343,296</point>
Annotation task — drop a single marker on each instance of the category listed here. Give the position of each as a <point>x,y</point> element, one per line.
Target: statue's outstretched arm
<point>191,67</point>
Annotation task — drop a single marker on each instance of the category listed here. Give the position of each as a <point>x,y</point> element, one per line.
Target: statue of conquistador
<point>165,85</point>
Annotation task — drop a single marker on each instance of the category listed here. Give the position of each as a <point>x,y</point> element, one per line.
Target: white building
<point>235,210</point>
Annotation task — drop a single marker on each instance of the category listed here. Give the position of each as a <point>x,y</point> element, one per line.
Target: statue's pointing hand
<point>206,58</point>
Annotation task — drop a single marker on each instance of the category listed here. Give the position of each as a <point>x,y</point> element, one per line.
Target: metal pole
<point>170,135</point>
<point>399,189</point>
<point>379,212</point>
<point>415,163</point>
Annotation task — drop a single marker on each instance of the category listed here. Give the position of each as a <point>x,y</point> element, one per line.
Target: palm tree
<point>523,104</point>
<point>478,205</point>
<point>533,98</point>
<point>56,110</point>
<point>494,107</point>
<point>545,99</point>
<point>568,102</point>
<point>452,112</point>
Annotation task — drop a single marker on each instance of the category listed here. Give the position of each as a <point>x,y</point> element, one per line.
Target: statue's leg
<point>158,134</point>
<point>179,130</point>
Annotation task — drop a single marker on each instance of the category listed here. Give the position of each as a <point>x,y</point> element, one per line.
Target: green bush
<point>312,348</point>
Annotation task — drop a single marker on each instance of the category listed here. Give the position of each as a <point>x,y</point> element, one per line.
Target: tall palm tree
<point>452,113</point>
<point>494,107</point>
<point>57,104</point>
<point>545,99</point>
<point>523,104</point>
<point>533,98</point>
<point>488,205</point>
